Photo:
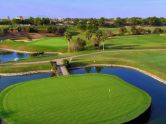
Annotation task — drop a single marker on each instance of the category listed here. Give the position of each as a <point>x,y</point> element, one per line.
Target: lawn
<point>116,30</point>
<point>55,43</point>
<point>78,99</point>
<point>152,61</point>
<point>136,42</point>
<point>119,42</point>
<point>24,68</point>
<point>46,44</point>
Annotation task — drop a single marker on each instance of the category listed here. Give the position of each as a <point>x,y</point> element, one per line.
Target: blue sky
<point>83,8</point>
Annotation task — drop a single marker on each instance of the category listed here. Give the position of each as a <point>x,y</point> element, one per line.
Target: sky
<point>82,8</point>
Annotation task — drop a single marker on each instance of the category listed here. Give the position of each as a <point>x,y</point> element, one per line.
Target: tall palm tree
<point>99,35</point>
<point>104,37</point>
<point>68,36</point>
<point>89,35</point>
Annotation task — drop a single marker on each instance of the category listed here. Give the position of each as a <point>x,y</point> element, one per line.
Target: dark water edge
<point>6,81</point>
<point>154,88</point>
<point>142,119</point>
<point>156,114</point>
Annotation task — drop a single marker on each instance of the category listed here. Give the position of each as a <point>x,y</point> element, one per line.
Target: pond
<point>154,88</point>
<point>12,56</point>
<point>6,81</point>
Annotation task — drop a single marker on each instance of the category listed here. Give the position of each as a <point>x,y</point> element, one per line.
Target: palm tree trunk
<point>68,46</point>
<point>103,46</point>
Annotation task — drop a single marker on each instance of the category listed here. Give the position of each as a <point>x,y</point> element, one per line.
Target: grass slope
<point>118,42</point>
<point>136,42</point>
<point>151,61</point>
<point>78,99</point>
<point>24,68</point>
<point>54,43</point>
<point>44,44</point>
<point>116,30</point>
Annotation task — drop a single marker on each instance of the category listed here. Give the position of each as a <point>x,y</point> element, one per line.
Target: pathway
<point>82,55</point>
<point>61,67</point>
<point>20,51</point>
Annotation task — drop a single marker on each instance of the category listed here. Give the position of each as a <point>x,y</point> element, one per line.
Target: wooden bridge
<point>59,67</point>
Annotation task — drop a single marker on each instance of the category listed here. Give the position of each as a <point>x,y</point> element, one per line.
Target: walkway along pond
<point>156,89</point>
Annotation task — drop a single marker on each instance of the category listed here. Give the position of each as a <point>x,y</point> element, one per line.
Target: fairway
<point>56,43</point>
<point>137,42</point>
<point>78,99</point>
<point>44,44</point>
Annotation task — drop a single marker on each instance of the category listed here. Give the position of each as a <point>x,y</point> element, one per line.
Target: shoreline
<point>24,73</point>
<point>90,65</point>
<point>128,67</point>
<point>27,52</point>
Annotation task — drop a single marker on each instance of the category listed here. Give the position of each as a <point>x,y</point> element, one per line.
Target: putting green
<point>50,42</point>
<point>78,99</point>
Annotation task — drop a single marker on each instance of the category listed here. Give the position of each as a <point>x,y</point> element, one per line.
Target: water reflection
<point>12,56</point>
<point>157,90</point>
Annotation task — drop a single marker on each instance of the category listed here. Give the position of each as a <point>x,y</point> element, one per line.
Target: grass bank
<point>47,44</point>
<point>93,98</point>
<point>24,68</point>
<point>150,61</point>
<point>54,44</point>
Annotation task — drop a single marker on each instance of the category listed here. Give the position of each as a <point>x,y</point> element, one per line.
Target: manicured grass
<point>152,61</point>
<point>44,44</point>
<point>56,43</point>
<point>148,60</point>
<point>136,42</point>
<point>118,42</point>
<point>78,99</point>
<point>24,68</point>
<point>116,30</point>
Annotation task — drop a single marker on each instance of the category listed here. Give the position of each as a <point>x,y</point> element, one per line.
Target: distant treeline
<point>58,30</point>
<point>105,22</point>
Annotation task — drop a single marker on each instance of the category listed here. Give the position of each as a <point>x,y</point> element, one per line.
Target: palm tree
<point>104,37</point>
<point>99,35</point>
<point>89,35</point>
<point>68,36</point>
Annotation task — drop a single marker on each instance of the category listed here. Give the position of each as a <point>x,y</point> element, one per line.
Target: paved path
<point>60,64</point>
<point>64,70</point>
<point>20,51</point>
<point>76,56</point>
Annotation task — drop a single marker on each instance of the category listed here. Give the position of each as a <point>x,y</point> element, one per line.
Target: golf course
<point>83,99</point>
<point>42,44</point>
<point>82,72</point>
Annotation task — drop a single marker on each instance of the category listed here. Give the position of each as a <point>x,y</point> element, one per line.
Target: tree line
<point>91,39</point>
<point>105,22</point>
<point>134,30</point>
<point>58,30</point>
<point>27,21</point>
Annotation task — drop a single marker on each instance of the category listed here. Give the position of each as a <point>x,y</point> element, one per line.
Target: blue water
<point>154,88</point>
<point>6,81</point>
<point>12,56</point>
